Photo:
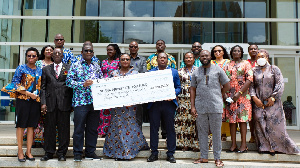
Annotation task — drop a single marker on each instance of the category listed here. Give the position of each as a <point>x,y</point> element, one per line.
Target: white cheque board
<point>133,89</point>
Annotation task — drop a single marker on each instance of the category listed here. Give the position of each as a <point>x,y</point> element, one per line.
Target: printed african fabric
<point>107,68</point>
<point>125,138</point>
<point>270,125</point>
<point>152,61</point>
<point>185,123</point>
<point>238,73</point>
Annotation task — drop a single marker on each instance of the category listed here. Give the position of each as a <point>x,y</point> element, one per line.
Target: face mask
<point>261,62</point>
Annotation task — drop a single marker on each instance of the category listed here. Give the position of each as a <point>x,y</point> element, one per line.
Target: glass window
<point>197,31</point>
<point>135,8</point>
<point>10,30</point>
<point>287,67</point>
<point>10,8</point>
<point>171,8</point>
<point>92,8</point>
<point>60,8</point>
<point>35,4</point>
<point>170,32</point>
<point>283,33</point>
<point>111,8</point>
<point>141,32</point>
<point>63,27</point>
<point>256,8</point>
<point>198,8</point>
<point>91,31</point>
<point>256,33</point>
<point>228,32</point>
<point>283,9</point>
<point>34,30</point>
<point>228,9</point>
<point>111,31</point>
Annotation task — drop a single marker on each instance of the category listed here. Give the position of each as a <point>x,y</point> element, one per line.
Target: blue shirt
<point>68,56</point>
<point>78,57</point>
<point>79,72</point>
<point>176,82</point>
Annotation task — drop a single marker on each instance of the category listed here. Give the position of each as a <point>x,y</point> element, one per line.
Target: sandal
<point>219,163</point>
<point>200,161</point>
<point>223,137</point>
<point>252,140</point>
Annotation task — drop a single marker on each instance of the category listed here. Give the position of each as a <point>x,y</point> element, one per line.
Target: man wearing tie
<point>56,102</point>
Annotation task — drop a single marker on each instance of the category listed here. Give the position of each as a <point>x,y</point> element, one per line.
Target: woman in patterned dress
<point>220,57</point>
<point>25,87</point>
<point>266,91</point>
<point>185,122</point>
<point>124,138</point>
<point>107,67</point>
<point>239,111</point>
<point>44,59</point>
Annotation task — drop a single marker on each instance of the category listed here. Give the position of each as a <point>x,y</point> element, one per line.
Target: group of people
<point>215,94</point>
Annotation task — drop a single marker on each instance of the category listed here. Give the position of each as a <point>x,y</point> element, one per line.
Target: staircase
<point>8,151</point>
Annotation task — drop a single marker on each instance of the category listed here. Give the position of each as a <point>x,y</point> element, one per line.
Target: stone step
<point>136,163</point>
<point>11,141</point>
<point>11,151</point>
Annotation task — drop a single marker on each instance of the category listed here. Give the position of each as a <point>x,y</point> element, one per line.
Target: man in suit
<point>166,110</point>
<point>56,103</point>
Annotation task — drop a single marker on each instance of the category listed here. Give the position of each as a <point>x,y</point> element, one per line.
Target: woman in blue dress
<point>25,87</point>
<point>124,138</point>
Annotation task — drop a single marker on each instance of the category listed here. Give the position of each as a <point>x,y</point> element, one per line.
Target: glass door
<point>287,65</point>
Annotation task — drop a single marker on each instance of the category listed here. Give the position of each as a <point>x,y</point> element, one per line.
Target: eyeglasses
<point>58,53</point>
<point>59,39</point>
<point>196,46</point>
<point>31,56</point>
<point>215,51</point>
<point>133,47</point>
<point>91,51</point>
<point>125,59</point>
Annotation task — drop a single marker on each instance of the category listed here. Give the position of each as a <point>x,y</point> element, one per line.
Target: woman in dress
<point>266,91</point>
<point>107,67</point>
<point>44,59</point>
<point>239,109</point>
<point>124,138</point>
<point>25,87</point>
<point>220,57</point>
<point>185,122</point>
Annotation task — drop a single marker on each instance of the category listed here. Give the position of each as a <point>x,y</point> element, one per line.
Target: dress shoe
<point>78,158</point>
<point>27,157</point>
<point>46,157</point>
<point>152,158</point>
<point>21,160</point>
<point>171,159</point>
<point>62,158</point>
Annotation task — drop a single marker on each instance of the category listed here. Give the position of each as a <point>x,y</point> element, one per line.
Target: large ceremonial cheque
<point>133,89</point>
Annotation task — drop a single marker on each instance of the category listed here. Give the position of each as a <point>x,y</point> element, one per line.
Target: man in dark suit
<point>56,102</point>
<point>166,110</point>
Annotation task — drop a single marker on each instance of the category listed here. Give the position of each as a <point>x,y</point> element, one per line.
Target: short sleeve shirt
<point>208,89</point>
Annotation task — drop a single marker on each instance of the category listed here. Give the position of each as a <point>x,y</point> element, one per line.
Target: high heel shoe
<point>21,160</point>
<point>244,151</point>
<point>231,151</point>
<point>27,157</point>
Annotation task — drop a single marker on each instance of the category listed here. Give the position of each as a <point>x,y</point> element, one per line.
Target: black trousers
<point>61,119</point>
<point>165,110</point>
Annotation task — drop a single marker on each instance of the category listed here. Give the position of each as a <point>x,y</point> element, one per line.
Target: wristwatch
<point>241,92</point>
<point>273,99</point>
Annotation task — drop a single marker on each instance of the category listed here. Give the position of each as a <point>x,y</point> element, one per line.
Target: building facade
<point>271,24</point>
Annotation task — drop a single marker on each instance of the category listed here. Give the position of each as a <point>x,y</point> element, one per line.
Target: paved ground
<point>10,131</point>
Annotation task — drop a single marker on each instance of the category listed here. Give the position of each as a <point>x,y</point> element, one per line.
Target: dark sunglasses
<point>215,51</point>
<point>125,59</point>
<point>91,51</point>
<point>196,46</point>
<point>31,56</point>
<point>59,39</point>
<point>133,47</point>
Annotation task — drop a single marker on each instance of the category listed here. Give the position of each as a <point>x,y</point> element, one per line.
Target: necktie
<point>56,69</point>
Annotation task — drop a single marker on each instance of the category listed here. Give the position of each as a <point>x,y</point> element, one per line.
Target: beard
<point>207,63</point>
<point>196,52</point>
